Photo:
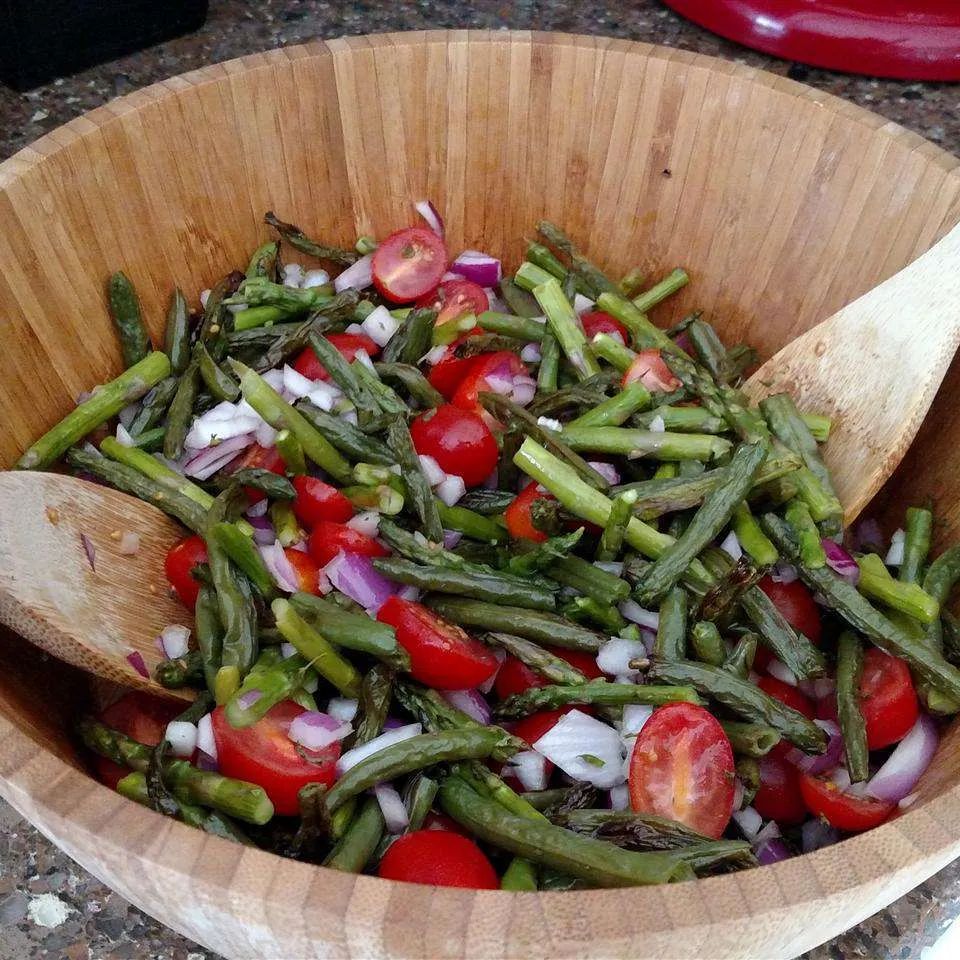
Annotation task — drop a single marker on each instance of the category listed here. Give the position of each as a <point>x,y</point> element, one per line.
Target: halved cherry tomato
<point>842,810</point>
<point>316,501</point>
<point>888,700</point>
<point>452,370</point>
<point>409,264</point>
<point>787,694</point>
<point>181,558</point>
<point>328,539</point>
<point>458,440</point>
<point>440,821</point>
<point>442,655</point>
<point>454,299</point>
<point>682,768</point>
<point>503,362</point>
<point>347,344</point>
<point>650,369</point>
<point>140,716</point>
<point>797,606</point>
<point>438,858</point>
<point>256,457</point>
<point>778,797</point>
<point>306,569</point>
<point>598,322</point>
<point>265,755</point>
<point>517,515</point>
<point>515,676</point>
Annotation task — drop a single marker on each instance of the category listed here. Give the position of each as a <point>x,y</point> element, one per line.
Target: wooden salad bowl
<point>784,203</point>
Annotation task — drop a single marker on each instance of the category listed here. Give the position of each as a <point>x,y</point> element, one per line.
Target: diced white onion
<point>781,671</point>
<point>731,546</point>
<point>451,489</point>
<point>434,356</point>
<point>296,383</point>
<point>316,731</point>
<point>431,470</point>
<point>129,543</point>
<point>324,395</point>
<point>175,639</point>
<point>182,737</point>
<point>531,353</point>
<point>367,523</point>
<point>582,304</point>
<point>343,708</point>
<point>293,275</point>
<point>549,423</point>
<point>895,554</point>
<point>205,739</point>
<point>636,614</point>
<point>123,436</point>
<point>610,566</point>
<point>635,715</point>
<point>357,276</point>
<point>657,425</point>
<point>530,768</point>
<point>749,821</point>
<point>380,325</point>
<point>315,278</point>
<point>585,749</point>
<point>204,297</point>
<point>620,797</point>
<point>395,816</point>
<point>615,655</point>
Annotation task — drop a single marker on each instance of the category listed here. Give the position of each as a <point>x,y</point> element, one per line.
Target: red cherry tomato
<point>306,569</point>
<point>682,768</point>
<point>409,264</point>
<point>140,716</point>
<point>598,322</point>
<point>650,369</point>
<point>347,344</point>
<point>842,810</point>
<point>503,362</point>
<point>454,299</point>
<point>515,676</point>
<point>265,755</point>
<point>458,440</point>
<point>182,557</point>
<point>440,821</point>
<point>778,797</point>
<point>888,700</point>
<point>328,539</point>
<point>517,515</point>
<point>442,655</point>
<point>316,501</point>
<point>256,457</point>
<point>438,858</point>
<point>797,606</point>
<point>451,371</point>
<point>791,696</point>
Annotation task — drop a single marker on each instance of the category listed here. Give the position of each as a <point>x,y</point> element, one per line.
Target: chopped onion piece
<point>585,749</point>
<point>904,767</point>
<point>773,851</point>
<point>295,383</point>
<point>657,425</point>
<point>610,566</point>
<point>817,833</point>
<point>395,816</point>
<point>895,554</point>
<point>135,659</point>
<point>478,268</point>
<point>582,304</point>
<point>840,561</point>
<point>315,278</point>
<point>354,575</point>
<point>620,797</point>
<point>280,568</point>
<point>781,671</point>
<point>451,538</point>
<point>258,509</point>
<point>367,522</point>
<point>451,489</point>
<point>820,763</point>
<point>636,614</point>
<point>343,708</point>
<point>204,297</point>
<point>175,640</point>
<point>205,739</point>
<point>287,650</point>
<point>208,461</point>
<point>434,356</point>
<point>352,757</point>
<point>431,215</point>
<point>324,395</point>
<point>380,325</point>
<point>606,470</point>
<point>531,353</point>
<point>432,470</point>
<point>749,821</point>
<point>358,276</point>
<point>731,545</point>
<point>549,423</point>
<point>487,685</point>
<point>123,436</point>
<point>615,655</point>
<point>471,703</point>
<point>530,768</point>
<point>784,573</point>
<point>293,275</point>
<point>315,730</point>
<point>90,550</point>
<point>182,737</point>
<point>635,715</point>
<point>129,543</point>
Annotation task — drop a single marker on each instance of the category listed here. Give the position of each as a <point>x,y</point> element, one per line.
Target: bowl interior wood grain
<point>782,202</point>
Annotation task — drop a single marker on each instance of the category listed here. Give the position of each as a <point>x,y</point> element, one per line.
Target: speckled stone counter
<point>49,907</point>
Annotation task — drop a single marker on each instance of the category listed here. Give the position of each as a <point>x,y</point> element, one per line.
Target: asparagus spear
<point>176,343</point>
<point>603,692</point>
<point>676,280</point>
<point>355,847</point>
<point>418,487</point>
<point>128,319</point>
<point>547,665</point>
<point>916,544</point>
<point>852,725</point>
<point>611,540</point>
<point>671,639</point>
<point>741,657</point>
<point>750,739</point>
<point>566,327</point>
<point>634,444</point>
<point>348,439</point>
<point>300,241</point>
<point>707,643</point>
<point>877,583</point>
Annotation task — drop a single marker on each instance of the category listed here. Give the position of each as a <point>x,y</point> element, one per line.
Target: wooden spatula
<point>875,367</point>
<point>96,614</point>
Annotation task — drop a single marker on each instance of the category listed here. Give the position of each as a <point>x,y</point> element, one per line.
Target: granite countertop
<point>49,907</point>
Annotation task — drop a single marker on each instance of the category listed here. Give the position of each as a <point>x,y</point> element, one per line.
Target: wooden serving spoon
<point>96,614</point>
<point>874,367</point>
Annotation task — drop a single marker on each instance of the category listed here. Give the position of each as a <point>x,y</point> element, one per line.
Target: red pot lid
<point>909,39</point>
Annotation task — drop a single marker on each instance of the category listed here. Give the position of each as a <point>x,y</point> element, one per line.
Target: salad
<point>497,584</point>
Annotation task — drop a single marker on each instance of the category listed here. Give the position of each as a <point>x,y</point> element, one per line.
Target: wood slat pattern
<point>783,202</point>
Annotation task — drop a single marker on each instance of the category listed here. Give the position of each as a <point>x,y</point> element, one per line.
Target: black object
<point>50,38</point>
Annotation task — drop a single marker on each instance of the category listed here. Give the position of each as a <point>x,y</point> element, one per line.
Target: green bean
<point>603,692</point>
<point>643,334</point>
<point>376,693</point>
<point>388,400</point>
<point>750,739</point>
<point>266,481</point>
<point>128,319</point>
<point>253,317</point>
<point>213,326</point>
<point>105,402</point>
<point>707,643</point>
<point>671,642</point>
<point>176,342</point>
<point>413,340</point>
<point>852,725</point>
<point>743,698</point>
<point>297,239</point>
<point>532,624</point>
<point>487,502</point>
<point>291,452</point>
<point>344,374</point>
<point>916,544</point>
<point>811,549</point>
<point>418,487</point>
<point>590,611</point>
<point>752,538</point>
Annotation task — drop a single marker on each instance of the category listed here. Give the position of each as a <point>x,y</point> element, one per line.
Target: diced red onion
<point>409,592</point>
<point>840,561</point>
<point>431,215</point>
<point>819,688</point>
<point>246,700</point>
<point>682,340</point>
<point>293,275</point>
<point>263,532</point>
<point>204,297</point>
<point>784,573</point>
<point>636,614</point>
<point>280,568</point>
<point>549,424</point>
<point>635,715</point>
<point>816,834</point>
<point>357,276</point>
<point>530,768</point>
<point>499,381</point>
<point>582,304</point>
<point>479,268</point>
<point>367,522</point>
<point>606,470</point>
<point>135,659</point>
<point>208,461</point>
<point>129,544</point>
<point>432,470</point>
<point>352,757</point>
<point>487,685</point>
<point>380,325</point>
<point>657,425</point>
<point>531,353</point>
<point>731,546</point>
<point>295,383</point>
<point>175,639</point>
<point>182,737</point>
<point>451,489</point>
<point>287,650</point>
<point>867,534</point>
<point>123,436</point>
<point>315,278</point>
<point>614,657</point>
<point>620,797</point>
<point>908,801</point>
<point>895,554</point>
<point>523,391</point>
<point>776,668</point>
<point>819,763</point>
<point>770,831</point>
<point>749,821</point>
<point>451,538</point>
<point>204,761</point>
<point>343,708</point>
<point>492,482</point>
<point>904,767</point>
<point>738,793</point>
<point>773,851</point>
<point>259,508</point>
<point>470,702</point>
<point>206,742</point>
<point>576,736</point>
<point>395,816</point>
<point>354,575</point>
<point>315,730</point>
<point>90,550</point>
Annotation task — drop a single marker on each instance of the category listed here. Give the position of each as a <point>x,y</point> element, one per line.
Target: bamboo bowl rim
<point>35,779</point>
